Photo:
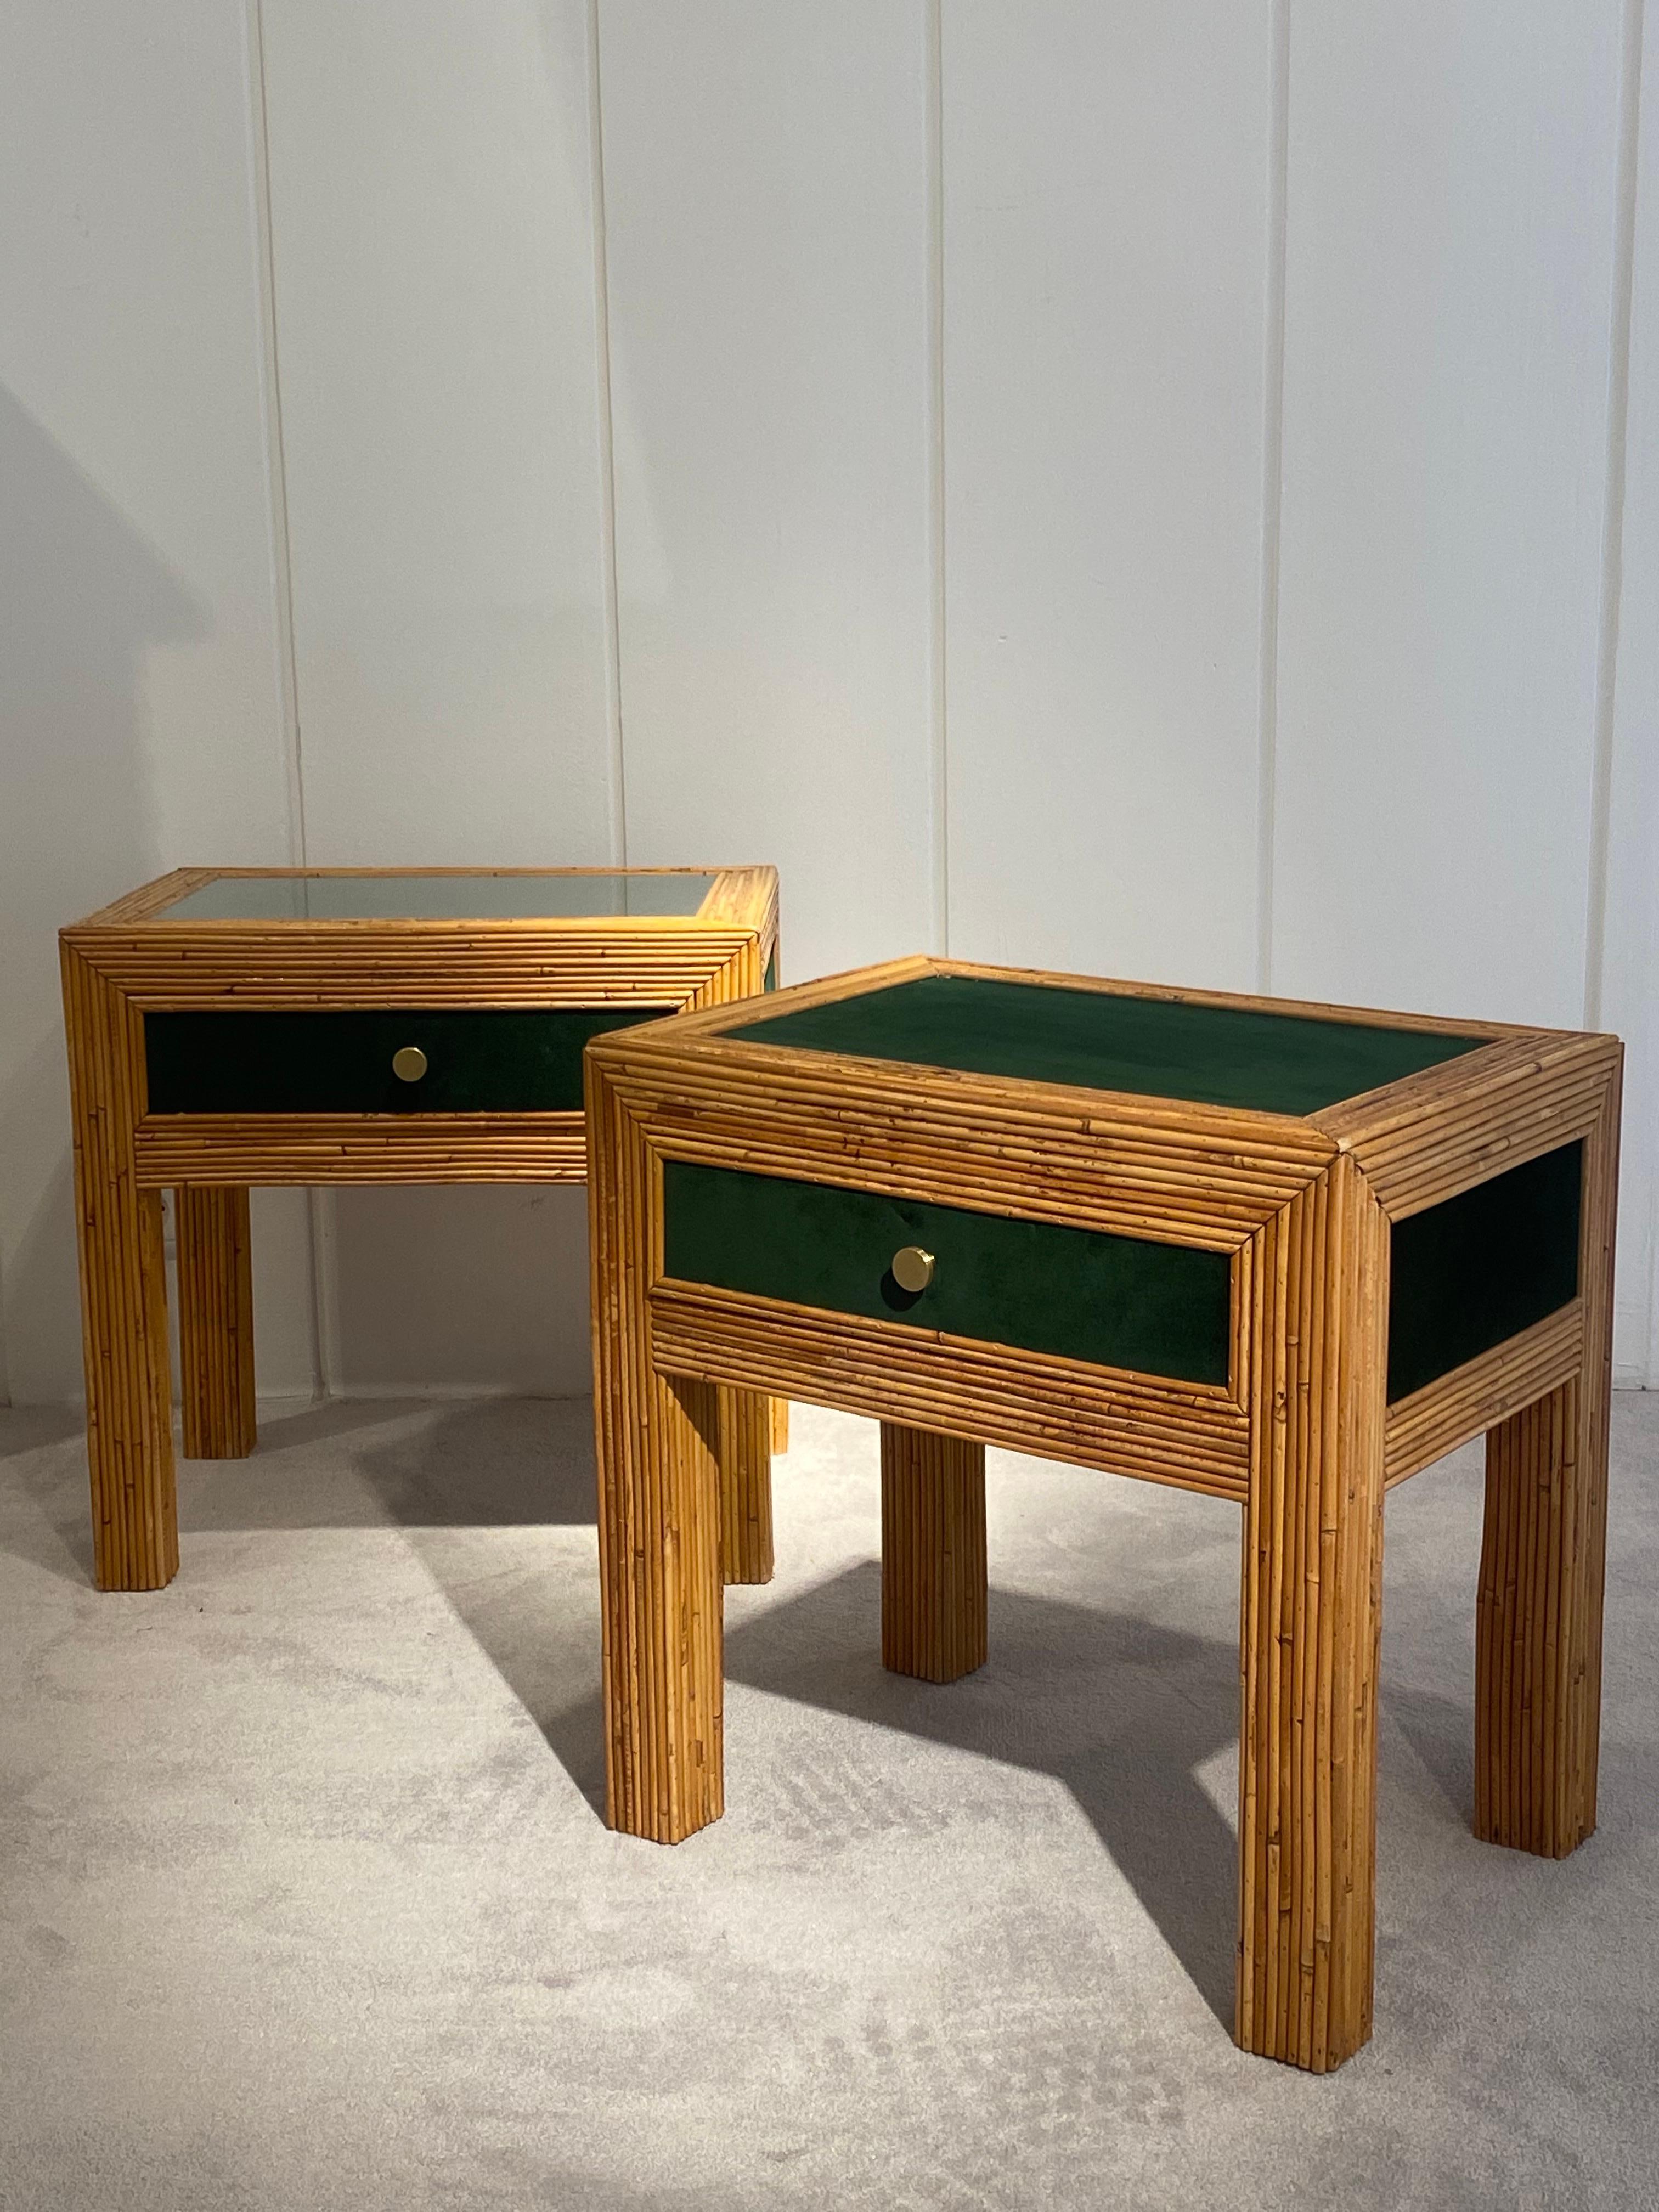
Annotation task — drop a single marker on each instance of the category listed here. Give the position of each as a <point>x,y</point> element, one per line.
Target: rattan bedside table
<point>229,1027</point>
<point>1283,1253</point>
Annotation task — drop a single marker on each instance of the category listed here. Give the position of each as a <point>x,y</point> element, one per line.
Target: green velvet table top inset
<point>458,897</point>
<point>1041,1286</point>
<point>1276,1063</point>
<point>479,1060</point>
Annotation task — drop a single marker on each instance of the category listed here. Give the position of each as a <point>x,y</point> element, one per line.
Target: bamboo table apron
<point>1283,1253</point>
<point>235,1026</point>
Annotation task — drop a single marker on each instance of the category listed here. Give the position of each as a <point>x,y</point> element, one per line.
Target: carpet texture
<point>306,1902</point>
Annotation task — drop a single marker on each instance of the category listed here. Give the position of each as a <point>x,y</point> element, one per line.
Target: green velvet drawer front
<point>487,1062</point>
<point>1113,1301</point>
<point>1467,1275</point>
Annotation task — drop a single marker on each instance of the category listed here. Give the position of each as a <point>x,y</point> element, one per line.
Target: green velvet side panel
<point>770,980</point>
<point>1478,1268</point>
<point>496,1061</point>
<point>1113,1301</point>
<point>1157,1048</point>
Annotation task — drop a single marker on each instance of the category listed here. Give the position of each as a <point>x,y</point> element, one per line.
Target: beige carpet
<point>305,1901</point>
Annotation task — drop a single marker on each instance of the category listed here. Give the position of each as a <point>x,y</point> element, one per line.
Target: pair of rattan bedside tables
<point>1282,1253</point>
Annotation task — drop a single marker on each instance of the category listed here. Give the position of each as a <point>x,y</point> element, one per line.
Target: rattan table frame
<point>133,958</point>
<point>1301,1436</point>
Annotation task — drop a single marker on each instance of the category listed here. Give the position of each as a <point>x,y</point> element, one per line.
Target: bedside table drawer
<point>380,1060</point>
<point>1083,1294</point>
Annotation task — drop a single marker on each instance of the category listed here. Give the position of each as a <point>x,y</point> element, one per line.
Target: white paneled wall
<point>432,226</point>
<point>1168,487</point>
<point>433,232</point>
<point>1106,273</point>
<point>1452,211</point>
<point>1627,917</point>
<point>766,182</point>
<point>141,691</point>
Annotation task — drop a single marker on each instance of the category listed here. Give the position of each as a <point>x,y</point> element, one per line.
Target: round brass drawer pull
<point>913,1268</point>
<point>409,1063</point>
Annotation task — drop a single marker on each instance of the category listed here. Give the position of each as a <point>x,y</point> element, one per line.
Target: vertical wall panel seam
<point>1646,1056</point>
<point>281,574</point>
<point>608,582</point>
<point>1612,527</point>
<point>940,794</point>
<point>281,562</point>
<point>1273,479</point>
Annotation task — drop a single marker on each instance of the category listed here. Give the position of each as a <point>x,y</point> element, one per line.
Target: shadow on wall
<point>84,598</point>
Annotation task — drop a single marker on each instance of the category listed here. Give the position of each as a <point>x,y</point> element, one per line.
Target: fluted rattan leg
<point>216,1323</point>
<point>934,1593</point>
<point>745,1456</point>
<point>657,1439</point>
<point>1543,1560</point>
<point>1310,1615</point>
<point>124,1309</point>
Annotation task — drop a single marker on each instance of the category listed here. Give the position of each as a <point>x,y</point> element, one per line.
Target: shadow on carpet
<point>1122,1712</point>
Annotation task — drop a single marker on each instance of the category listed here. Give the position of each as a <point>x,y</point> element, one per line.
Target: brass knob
<point>913,1268</point>
<point>409,1063</point>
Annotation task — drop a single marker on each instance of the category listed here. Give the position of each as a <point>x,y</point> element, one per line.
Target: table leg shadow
<point>1121,1710</point>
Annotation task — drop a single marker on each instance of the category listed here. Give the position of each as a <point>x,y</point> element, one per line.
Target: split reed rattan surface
<point>1307,1209</point>
<point>292,981</point>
